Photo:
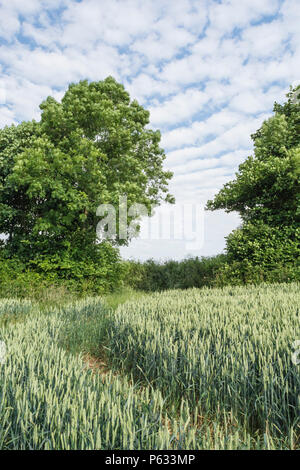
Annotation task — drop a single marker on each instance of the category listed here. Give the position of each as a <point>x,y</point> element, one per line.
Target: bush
<point>263,245</point>
<point>220,270</point>
<point>191,272</point>
<point>96,273</point>
<point>261,253</point>
<point>244,272</point>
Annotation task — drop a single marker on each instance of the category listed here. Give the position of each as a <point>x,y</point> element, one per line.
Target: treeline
<point>47,276</point>
<point>153,276</point>
<point>215,271</point>
<point>54,174</point>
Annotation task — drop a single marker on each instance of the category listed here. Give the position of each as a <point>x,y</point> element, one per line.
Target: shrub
<point>191,272</point>
<point>98,272</point>
<point>263,245</point>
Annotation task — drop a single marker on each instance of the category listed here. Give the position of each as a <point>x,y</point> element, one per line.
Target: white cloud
<point>24,98</point>
<point>6,117</point>
<point>164,42</point>
<point>198,131</point>
<point>113,22</point>
<point>145,85</point>
<point>230,159</point>
<point>265,40</point>
<point>179,108</point>
<point>256,101</point>
<point>235,138</point>
<point>9,23</point>
<point>232,14</point>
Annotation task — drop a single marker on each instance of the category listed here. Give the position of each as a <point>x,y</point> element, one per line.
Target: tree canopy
<point>266,187</point>
<point>88,149</point>
<point>266,192</point>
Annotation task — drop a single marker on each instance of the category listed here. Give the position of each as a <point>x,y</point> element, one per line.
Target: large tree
<point>266,192</point>
<point>88,149</point>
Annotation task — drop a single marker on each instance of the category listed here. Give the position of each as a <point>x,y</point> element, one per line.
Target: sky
<point>208,71</point>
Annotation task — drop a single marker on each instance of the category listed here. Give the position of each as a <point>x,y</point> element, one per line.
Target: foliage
<point>153,276</point>
<point>266,187</point>
<point>88,149</point>
<point>100,272</point>
<point>264,245</point>
<point>237,273</point>
<point>258,253</point>
<point>266,194</point>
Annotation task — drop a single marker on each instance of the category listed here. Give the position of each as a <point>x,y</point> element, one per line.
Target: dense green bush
<point>190,272</point>
<point>264,245</point>
<point>244,272</point>
<point>261,260</point>
<point>100,271</point>
<point>261,253</point>
<point>49,278</point>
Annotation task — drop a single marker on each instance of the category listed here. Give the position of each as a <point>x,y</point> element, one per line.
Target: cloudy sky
<point>209,71</point>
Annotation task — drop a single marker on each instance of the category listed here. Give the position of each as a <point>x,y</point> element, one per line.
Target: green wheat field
<point>194,369</point>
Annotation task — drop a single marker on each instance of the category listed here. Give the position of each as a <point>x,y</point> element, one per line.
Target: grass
<point>14,310</point>
<point>225,351</point>
<point>85,325</point>
<point>121,296</point>
<point>197,369</point>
